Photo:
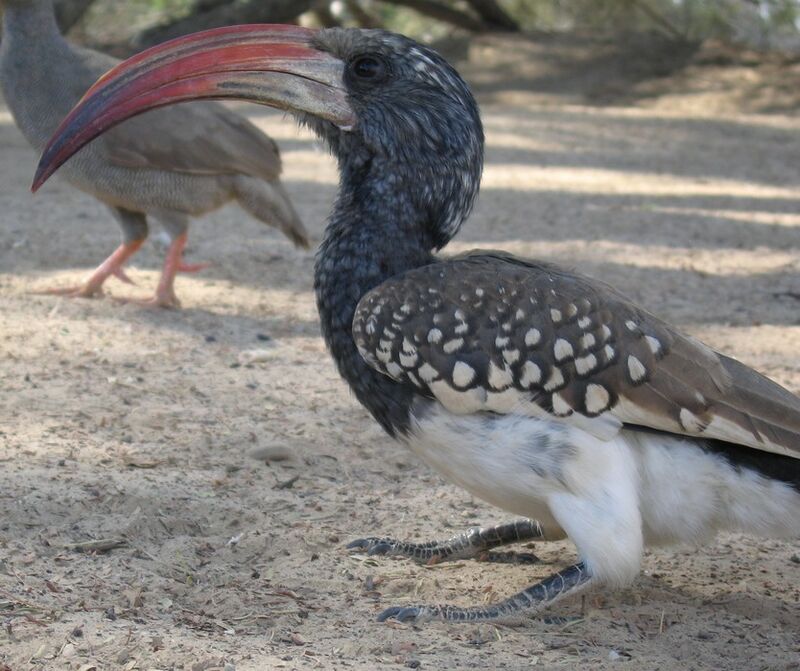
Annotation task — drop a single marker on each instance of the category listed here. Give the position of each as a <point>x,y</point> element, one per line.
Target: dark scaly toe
<point>389,613</point>
<point>559,620</point>
<point>362,543</point>
<point>508,557</point>
<point>373,545</point>
<point>405,614</point>
<point>525,558</point>
<point>380,549</point>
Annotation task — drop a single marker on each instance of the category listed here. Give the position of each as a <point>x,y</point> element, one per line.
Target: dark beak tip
<point>40,177</point>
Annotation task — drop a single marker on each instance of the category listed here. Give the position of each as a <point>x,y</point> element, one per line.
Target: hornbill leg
<point>111,266</point>
<point>474,543</point>
<point>535,598</point>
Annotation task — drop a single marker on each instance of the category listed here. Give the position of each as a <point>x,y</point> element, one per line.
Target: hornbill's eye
<point>368,68</point>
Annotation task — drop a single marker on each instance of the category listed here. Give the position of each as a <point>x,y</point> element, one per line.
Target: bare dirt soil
<point>218,444</point>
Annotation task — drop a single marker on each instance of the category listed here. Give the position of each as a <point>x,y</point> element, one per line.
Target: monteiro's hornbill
<point>170,164</point>
<point>537,389</point>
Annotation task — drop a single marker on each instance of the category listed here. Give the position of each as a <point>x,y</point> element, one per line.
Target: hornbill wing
<point>198,138</point>
<point>486,331</point>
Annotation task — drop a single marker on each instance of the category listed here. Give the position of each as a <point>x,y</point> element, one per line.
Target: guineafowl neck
<point>40,76</point>
<point>31,20</point>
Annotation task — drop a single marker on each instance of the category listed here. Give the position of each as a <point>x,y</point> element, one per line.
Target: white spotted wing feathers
<point>490,332</point>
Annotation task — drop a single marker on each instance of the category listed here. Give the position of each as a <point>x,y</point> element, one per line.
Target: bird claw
<point>380,549</point>
<point>560,621</point>
<point>192,267</point>
<point>407,614</point>
<point>508,558</point>
<point>121,275</point>
<point>158,301</point>
<point>373,545</point>
<point>83,291</point>
<point>388,547</point>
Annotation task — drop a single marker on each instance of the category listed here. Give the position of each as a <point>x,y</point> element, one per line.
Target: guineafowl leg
<point>176,224</point>
<point>134,233</point>
<point>472,544</point>
<point>173,263</point>
<point>535,598</point>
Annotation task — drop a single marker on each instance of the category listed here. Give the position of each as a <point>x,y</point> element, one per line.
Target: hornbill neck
<point>396,206</point>
<point>374,232</point>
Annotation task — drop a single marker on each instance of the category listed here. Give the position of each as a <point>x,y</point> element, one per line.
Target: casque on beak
<point>273,65</point>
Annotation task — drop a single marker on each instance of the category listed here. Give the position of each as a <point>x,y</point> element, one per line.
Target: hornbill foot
<point>508,558</point>
<point>529,601</point>
<point>414,614</point>
<point>472,544</point>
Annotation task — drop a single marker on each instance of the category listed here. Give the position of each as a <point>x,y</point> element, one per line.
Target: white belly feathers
<point>610,496</point>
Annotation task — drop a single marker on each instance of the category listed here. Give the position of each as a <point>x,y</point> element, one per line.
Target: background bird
<point>169,164</point>
<point>542,391</point>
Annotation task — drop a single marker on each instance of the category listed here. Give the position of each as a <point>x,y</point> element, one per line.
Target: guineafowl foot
<point>163,298</point>
<point>81,291</point>
<point>475,543</point>
<point>122,276</point>
<point>193,267</point>
<point>173,264</point>
<point>93,287</point>
<point>160,300</point>
<point>529,601</point>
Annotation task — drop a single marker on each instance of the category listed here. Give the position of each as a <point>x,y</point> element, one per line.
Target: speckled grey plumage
<point>169,163</point>
<point>410,172</point>
<point>456,355</point>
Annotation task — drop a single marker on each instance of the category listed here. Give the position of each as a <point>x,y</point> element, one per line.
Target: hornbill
<point>537,389</point>
<point>169,165</point>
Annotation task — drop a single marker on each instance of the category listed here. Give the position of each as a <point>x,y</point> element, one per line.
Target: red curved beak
<point>274,65</point>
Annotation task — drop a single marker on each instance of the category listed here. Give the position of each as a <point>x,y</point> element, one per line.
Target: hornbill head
<point>390,108</point>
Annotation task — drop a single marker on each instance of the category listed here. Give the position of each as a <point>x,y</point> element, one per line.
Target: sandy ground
<point>151,427</point>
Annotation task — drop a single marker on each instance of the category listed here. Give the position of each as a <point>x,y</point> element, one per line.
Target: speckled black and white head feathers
<point>418,134</point>
<point>410,171</point>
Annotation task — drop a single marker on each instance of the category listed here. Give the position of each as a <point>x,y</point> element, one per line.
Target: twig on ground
<point>99,545</point>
